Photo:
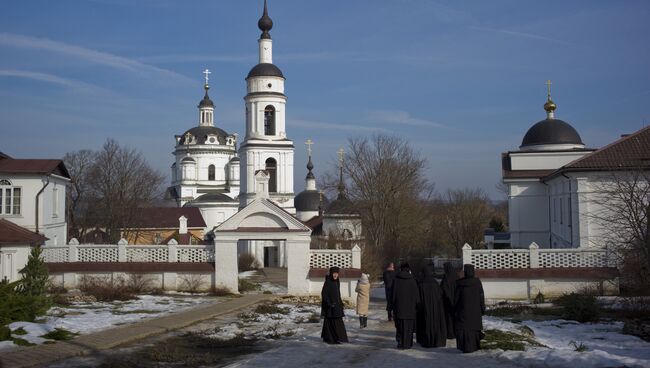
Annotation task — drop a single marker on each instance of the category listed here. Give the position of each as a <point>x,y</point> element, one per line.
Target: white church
<point>211,173</point>
<point>554,182</point>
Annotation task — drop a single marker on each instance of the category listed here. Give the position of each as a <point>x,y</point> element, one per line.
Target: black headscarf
<point>331,303</point>
<point>468,270</point>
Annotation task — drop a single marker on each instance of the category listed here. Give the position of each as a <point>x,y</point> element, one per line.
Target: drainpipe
<point>570,207</point>
<point>47,182</point>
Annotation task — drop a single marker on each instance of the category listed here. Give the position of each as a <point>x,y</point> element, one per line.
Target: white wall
<point>501,288</point>
<point>12,259</point>
<point>528,213</point>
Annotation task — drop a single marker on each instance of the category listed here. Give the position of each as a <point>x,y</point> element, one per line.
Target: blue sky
<point>461,80</point>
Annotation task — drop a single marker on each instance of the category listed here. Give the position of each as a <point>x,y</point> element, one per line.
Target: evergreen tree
<point>35,275</point>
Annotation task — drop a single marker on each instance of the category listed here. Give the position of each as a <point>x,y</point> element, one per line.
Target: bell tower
<point>266,146</point>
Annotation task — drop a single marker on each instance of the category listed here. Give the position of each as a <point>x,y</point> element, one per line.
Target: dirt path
<point>374,346</point>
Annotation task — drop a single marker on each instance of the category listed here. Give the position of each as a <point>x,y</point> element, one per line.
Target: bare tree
<point>79,164</point>
<point>109,185</point>
<point>386,179</point>
<point>619,204</point>
<point>467,215</point>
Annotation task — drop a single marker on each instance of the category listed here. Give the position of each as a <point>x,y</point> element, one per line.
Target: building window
<point>554,209</point>
<point>211,172</point>
<point>561,211</point>
<point>269,120</point>
<point>55,202</point>
<point>10,198</point>
<point>272,170</point>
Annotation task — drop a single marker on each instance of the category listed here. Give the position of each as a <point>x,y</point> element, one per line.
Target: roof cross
<point>207,76</point>
<point>341,154</point>
<point>548,86</point>
<point>309,143</point>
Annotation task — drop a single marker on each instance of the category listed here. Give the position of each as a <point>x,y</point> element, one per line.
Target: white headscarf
<point>364,279</point>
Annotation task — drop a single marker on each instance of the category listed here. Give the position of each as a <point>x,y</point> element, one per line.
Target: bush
<point>17,306</point>
<point>105,290</point>
<point>192,282</point>
<point>245,286</point>
<point>139,282</point>
<point>5,333</point>
<point>579,307</point>
<point>220,291</point>
<point>247,262</point>
<point>60,334</point>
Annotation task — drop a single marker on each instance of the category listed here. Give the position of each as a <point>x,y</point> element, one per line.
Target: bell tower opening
<point>269,120</point>
<point>272,170</point>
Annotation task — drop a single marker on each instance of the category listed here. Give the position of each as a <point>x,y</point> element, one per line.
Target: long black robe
<point>405,297</point>
<point>332,312</point>
<point>431,326</point>
<point>388,277</point>
<point>469,308</point>
<point>448,285</point>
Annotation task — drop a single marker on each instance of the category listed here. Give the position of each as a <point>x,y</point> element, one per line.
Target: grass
<point>522,312</point>
<point>245,286</point>
<point>21,342</point>
<point>19,331</point>
<point>578,346</point>
<point>269,308</point>
<point>60,334</point>
<point>507,340</point>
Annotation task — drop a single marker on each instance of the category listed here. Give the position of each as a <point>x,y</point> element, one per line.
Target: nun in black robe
<point>448,285</point>
<point>405,297</point>
<point>332,309</point>
<point>469,308</point>
<point>431,326</point>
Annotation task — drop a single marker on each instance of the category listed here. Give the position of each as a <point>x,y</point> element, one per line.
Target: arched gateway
<point>263,220</point>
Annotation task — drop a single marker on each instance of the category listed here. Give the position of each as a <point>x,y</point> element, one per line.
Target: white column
<point>121,250</point>
<point>225,264</point>
<point>172,249</point>
<point>298,265</point>
<point>533,251</point>
<point>467,254</point>
<point>356,257</point>
<point>73,252</point>
<point>266,50</point>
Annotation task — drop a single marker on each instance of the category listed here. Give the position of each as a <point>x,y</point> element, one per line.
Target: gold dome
<point>550,105</point>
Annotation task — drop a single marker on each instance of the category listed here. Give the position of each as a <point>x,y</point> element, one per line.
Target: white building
<point>205,173</point>
<point>33,195</point>
<point>554,181</point>
<point>16,243</point>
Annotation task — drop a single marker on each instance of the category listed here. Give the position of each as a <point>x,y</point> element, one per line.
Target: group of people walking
<point>433,311</point>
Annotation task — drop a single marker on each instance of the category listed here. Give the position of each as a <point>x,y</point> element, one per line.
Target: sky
<point>462,81</point>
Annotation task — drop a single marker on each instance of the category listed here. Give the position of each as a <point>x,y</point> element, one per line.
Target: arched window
<point>211,172</point>
<point>10,198</point>
<point>272,170</point>
<point>269,120</point>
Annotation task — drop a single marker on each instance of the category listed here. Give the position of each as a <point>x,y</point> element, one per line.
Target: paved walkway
<point>107,339</point>
<point>372,347</point>
<point>276,276</point>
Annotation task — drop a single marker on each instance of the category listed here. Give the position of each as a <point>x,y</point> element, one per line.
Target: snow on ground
<point>606,345</point>
<point>83,318</point>
<point>272,288</point>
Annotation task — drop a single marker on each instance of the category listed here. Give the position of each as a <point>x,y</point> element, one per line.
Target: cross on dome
<point>341,153</point>
<point>549,106</point>
<point>207,73</point>
<point>309,143</point>
<point>548,86</point>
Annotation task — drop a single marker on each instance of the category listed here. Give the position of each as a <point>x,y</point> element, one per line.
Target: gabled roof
<point>262,215</point>
<point>631,152</point>
<point>12,234</point>
<point>33,166</point>
<point>166,218</point>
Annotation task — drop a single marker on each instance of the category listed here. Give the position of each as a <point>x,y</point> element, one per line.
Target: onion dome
<point>551,131</point>
<point>265,70</point>
<point>265,23</point>
<point>309,199</point>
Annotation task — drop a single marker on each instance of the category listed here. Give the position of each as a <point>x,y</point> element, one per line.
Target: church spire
<point>341,186</point>
<point>310,180</point>
<point>206,106</point>
<point>549,106</point>
<point>265,23</point>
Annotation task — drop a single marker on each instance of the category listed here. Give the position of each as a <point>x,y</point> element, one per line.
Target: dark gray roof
<point>206,101</point>
<point>214,197</point>
<point>265,70</point>
<point>551,131</point>
<point>341,206</point>
<point>201,133</point>
<point>308,200</point>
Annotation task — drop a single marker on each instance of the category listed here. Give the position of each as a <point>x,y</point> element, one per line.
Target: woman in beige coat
<point>363,299</point>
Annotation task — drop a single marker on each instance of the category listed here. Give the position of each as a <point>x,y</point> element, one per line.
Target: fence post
<point>356,257</point>
<point>533,253</point>
<point>121,250</point>
<point>173,251</point>
<point>73,252</point>
<point>467,254</point>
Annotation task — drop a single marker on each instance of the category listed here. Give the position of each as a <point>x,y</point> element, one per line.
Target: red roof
<point>631,152</point>
<point>33,166</point>
<point>167,218</point>
<point>12,234</point>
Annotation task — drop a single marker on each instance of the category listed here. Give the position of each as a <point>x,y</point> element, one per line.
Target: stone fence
<point>343,258</point>
<point>123,252</point>
<point>534,257</point>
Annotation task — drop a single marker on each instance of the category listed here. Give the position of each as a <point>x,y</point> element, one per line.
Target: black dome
<point>341,206</point>
<point>308,200</point>
<point>551,131</point>
<point>201,133</point>
<point>265,70</point>
<point>213,197</point>
<point>206,101</point>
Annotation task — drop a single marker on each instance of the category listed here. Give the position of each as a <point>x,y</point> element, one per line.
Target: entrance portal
<point>271,256</point>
